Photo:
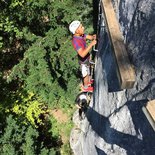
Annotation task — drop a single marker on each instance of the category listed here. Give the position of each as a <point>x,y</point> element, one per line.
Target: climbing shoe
<point>87,89</point>
<point>91,81</point>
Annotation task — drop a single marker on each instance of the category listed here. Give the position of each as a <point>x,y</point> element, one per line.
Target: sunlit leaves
<point>45,64</point>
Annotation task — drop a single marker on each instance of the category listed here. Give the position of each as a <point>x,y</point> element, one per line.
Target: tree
<point>38,61</point>
<point>48,68</point>
<point>19,138</point>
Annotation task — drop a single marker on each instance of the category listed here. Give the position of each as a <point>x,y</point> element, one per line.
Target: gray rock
<point>114,124</point>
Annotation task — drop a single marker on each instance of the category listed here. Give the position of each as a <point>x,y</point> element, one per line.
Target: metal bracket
<point>96,50</point>
<point>91,62</point>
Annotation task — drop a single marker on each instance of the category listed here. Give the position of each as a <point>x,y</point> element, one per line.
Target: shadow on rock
<point>142,125</point>
<point>102,127</point>
<point>99,151</point>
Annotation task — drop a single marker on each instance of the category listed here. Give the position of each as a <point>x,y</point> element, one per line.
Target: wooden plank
<point>126,73</point>
<point>149,117</point>
<point>151,108</point>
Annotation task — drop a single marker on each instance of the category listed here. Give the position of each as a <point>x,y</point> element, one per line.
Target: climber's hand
<point>94,42</point>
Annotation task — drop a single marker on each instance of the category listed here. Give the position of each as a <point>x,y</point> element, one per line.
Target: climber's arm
<point>91,37</point>
<point>84,52</point>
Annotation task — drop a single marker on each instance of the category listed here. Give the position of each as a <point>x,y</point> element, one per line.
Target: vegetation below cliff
<point>38,72</point>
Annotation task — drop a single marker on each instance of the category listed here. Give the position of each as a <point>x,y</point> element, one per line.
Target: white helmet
<point>74,25</point>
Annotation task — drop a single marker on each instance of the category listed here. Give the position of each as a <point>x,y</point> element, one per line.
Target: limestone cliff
<point>114,124</point>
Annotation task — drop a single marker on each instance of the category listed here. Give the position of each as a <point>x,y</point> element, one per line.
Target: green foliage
<point>49,66</point>
<point>35,46</point>
<point>30,137</point>
<point>63,129</point>
<point>29,107</point>
<point>66,150</point>
<point>56,129</point>
<point>14,136</point>
<point>48,152</point>
<point>1,42</point>
<point>21,139</point>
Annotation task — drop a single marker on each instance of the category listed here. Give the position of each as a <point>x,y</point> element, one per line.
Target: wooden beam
<point>151,108</point>
<point>149,111</point>
<point>126,73</point>
<point>148,116</point>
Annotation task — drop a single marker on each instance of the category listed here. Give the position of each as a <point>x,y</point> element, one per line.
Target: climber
<point>79,44</point>
<point>82,102</point>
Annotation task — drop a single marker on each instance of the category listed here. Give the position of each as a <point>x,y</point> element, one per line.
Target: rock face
<point>114,124</point>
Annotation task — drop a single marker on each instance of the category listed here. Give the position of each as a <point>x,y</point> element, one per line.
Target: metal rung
<point>96,50</point>
<point>91,62</point>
